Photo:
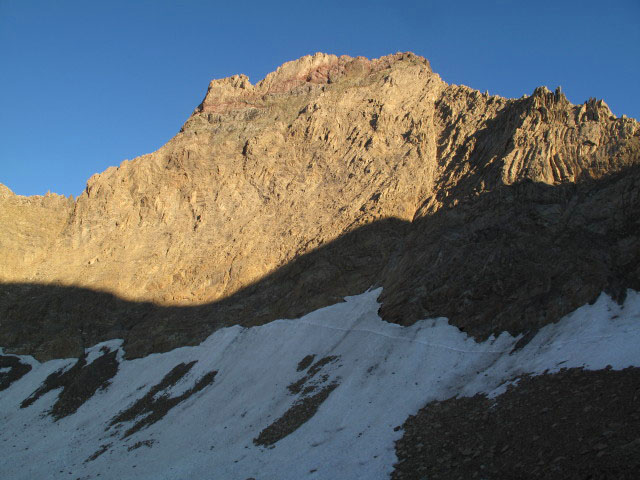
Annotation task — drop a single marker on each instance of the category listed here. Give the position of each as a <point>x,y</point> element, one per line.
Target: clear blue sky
<point>86,84</point>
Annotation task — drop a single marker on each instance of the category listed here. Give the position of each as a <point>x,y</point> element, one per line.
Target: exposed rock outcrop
<point>329,176</point>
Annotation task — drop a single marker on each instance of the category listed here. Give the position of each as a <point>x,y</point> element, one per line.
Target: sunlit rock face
<point>332,175</point>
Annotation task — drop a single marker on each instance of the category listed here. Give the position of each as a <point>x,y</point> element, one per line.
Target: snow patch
<point>99,349</point>
<point>384,373</point>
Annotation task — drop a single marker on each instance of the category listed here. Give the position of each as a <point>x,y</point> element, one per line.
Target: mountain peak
<point>319,69</point>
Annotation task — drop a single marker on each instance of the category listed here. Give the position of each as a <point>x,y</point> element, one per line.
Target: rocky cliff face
<point>332,175</point>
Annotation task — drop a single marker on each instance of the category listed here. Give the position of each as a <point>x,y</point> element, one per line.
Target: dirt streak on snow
<point>385,372</point>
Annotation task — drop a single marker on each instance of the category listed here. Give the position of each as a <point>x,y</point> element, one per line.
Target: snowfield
<point>366,376</point>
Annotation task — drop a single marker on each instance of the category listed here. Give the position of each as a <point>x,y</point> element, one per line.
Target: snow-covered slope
<point>318,397</point>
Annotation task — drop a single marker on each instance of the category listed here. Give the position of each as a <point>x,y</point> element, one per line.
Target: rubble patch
<point>307,403</point>
<point>572,424</point>
<point>11,369</point>
<point>143,443</point>
<point>297,386</point>
<point>153,407</point>
<point>305,362</point>
<point>97,453</point>
<point>301,411</point>
<point>79,383</point>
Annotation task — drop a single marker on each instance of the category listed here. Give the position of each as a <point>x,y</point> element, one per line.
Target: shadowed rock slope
<point>329,176</point>
<point>573,424</point>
